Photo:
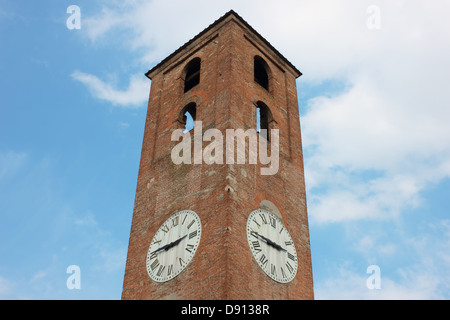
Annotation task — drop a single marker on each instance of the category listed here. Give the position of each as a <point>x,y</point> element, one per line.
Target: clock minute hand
<point>173,244</point>
<point>269,242</point>
<point>277,246</point>
<point>170,245</point>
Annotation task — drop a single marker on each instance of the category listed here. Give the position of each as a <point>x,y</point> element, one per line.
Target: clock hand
<point>277,246</point>
<point>161,249</point>
<point>170,245</point>
<point>269,242</point>
<point>273,244</point>
<point>173,244</point>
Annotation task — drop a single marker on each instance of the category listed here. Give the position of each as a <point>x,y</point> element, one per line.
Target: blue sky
<point>374,105</point>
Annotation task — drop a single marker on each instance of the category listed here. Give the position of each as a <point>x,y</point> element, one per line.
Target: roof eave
<point>149,74</point>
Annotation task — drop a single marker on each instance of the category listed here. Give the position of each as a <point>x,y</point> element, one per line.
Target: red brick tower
<point>216,228</point>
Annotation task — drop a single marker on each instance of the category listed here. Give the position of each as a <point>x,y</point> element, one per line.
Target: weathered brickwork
<point>223,195</point>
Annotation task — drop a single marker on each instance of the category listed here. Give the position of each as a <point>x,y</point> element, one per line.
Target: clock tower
<point>220,207</point>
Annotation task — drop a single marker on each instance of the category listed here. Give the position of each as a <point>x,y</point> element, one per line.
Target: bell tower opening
<point>264,119</point>
<point>261,74</point>
<point>192,74</point>
<point>188,116</point>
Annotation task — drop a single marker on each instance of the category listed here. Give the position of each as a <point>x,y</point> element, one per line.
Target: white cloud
<point>396,141</point>
<point>377,145</point>
<point>134,96</point>
<point>409,269</point>
<point>380,198</point>
<point>96,26</point>
<point>145,27</point>
<point>411,284</point>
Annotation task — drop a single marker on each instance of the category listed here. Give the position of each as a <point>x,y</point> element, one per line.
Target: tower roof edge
<point>149,74</point>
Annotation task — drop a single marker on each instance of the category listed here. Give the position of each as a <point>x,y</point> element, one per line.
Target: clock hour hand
<point>170,245</point>
<point>269,242</point>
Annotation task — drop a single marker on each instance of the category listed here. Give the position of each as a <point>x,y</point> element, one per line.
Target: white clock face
<point>272,245</point>
<point>174,245</point>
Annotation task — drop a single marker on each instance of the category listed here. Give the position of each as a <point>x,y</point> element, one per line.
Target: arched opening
<point>263,119</point>
<point>261,72</point>
<point>188,115</point>
<point>192,74</point>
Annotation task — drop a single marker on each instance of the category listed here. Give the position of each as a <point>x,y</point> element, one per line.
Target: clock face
<point>272,245</point>
<point>174,245</point>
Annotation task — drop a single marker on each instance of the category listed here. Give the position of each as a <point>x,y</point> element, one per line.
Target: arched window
<point>188,115</point>
<point>261,72</point>
<point>192,74</point>
<point>263,119</point>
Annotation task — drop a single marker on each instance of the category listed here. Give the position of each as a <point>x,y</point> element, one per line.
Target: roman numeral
<point>288,243</point>
<point>184,219</point>
<point>189,248</point>
<point>193,234</point>
<point>169,270</point>
<point>289,267</point>
<point>165,228</point>
<point>263,218</point>
<point>291,256</point>
<point>181,261</point>
<point>175,221</point>
<point>153,255</point>
<point>263,260</point>
<point>256,246</point>
<point>160,270</point>
<point>282,272</point>
<point>273,222</point>
<point>154,264</point>
<point>254,220</point>
<point>190,224</point>
<point>273,270</point>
